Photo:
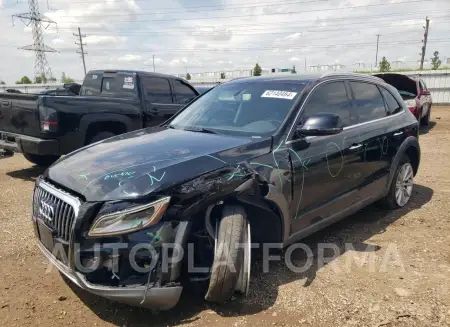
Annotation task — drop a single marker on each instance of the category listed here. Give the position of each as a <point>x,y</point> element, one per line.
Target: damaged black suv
<point>256,160</point>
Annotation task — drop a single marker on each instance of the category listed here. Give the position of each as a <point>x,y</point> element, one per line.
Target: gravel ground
<point>396,272</point>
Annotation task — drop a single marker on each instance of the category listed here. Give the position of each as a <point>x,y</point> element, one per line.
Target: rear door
<point>158,99</point>
<point>183,92</point>
<point>372,129</point>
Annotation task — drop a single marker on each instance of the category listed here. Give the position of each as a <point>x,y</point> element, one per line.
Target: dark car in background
<point>110,102</point>
<point>262,159</point>
<point>414,92</point>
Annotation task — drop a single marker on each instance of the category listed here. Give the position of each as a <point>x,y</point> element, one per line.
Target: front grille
<point>52,210</point>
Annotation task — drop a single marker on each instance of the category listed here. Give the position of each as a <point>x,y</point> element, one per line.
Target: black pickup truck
<point>111,102</point>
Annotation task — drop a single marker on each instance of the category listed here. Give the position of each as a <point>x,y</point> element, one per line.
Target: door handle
<point>398,133</point>
<point>5,104</point>
<point>356,146</point>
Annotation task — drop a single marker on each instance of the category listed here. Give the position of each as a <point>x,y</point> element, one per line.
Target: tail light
<point>48,118</point>
<point>411,103</point>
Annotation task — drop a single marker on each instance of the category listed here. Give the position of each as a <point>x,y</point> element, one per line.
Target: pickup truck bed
<point>44,127</point>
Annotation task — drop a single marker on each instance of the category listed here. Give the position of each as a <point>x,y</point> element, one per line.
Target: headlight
<point>129,220</point>
<point>410,103</point>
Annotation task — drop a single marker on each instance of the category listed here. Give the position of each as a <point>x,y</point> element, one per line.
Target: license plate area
<point>46,236</point>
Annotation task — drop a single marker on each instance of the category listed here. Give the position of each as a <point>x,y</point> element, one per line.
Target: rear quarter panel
<point>75,113</point>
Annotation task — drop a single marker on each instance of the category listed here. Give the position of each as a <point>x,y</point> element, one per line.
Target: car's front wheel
<point>229,255</point>
<point>401,186</point>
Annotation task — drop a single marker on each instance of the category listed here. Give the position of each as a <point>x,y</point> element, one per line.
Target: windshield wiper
<point>200,130</point>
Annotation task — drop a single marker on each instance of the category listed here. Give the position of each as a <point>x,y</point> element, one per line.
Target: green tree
<point>2,83</point>
<point>188,76</point>
<point>385,66</point>
<point>293,70</point>
<point>52,79</point>
<point>40,79</point>
<point>222,76</point>
<point>257,70</point>
<point>68,80</point>
<point>435,61</point>
<point>24,80</point>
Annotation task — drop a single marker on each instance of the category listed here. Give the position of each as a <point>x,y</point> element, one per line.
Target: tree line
<point>43,79</point>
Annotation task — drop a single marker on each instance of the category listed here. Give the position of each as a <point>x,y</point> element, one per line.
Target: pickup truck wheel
<point>100,136</point>
<point>425,120</point>
<point>401,186</point>
<point>40,160</point>
<point>229,256</point>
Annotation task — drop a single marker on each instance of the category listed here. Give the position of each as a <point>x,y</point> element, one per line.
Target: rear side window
<point>369,103</point>
<point>331,97</point>
<point>92,84</point>
<point>391,103</point>
<point>183,93</point>
<point>156,89</point>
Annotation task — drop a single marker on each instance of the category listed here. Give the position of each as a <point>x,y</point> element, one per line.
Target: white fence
<point>438,83</point>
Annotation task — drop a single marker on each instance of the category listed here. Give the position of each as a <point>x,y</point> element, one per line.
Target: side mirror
<point>321,124</point>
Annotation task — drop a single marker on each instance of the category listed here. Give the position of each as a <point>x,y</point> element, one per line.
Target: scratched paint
<point>128,174</point>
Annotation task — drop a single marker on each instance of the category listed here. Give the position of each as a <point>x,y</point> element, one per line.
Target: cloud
<point>211,35</point>
<point>130,57</point>
<point>105,39</point>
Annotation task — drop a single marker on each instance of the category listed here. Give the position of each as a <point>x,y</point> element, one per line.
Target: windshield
<point>253,108</point>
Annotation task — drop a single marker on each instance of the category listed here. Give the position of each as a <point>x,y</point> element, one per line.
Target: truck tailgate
<point>19,114</point>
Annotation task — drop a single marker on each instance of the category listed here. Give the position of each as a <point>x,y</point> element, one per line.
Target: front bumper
<point>28,144</point>
<point>161,298</point>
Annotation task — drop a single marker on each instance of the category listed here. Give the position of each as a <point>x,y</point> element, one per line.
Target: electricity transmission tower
<point>38,22</point>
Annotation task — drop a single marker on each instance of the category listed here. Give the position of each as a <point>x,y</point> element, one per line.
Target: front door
<point>325,178</point>
<point>159,104</point>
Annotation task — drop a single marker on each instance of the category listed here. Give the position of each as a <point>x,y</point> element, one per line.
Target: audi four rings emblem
<point>46,210</point>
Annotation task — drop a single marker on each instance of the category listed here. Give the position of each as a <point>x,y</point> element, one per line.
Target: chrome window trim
<point>289,139</point>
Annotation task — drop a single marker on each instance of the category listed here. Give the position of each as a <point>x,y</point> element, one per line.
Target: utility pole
<point>425,38</point>
<point>37,20</point>
<point>81,44</point>
<point>153,63</point>
<point>305,64</point>
<point>376,55</point>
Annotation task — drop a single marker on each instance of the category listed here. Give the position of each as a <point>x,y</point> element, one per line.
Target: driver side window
<point>331,97</point>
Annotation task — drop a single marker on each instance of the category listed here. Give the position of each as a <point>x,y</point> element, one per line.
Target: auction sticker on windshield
<point>279,94</point>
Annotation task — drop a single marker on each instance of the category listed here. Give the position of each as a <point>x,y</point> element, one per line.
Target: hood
<point>400,82</point>
<point>141,162</point>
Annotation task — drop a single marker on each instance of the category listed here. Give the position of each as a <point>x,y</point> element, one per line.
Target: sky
<point>221,35</point>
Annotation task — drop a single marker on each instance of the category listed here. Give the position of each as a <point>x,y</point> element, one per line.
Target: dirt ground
<point>407,283</point>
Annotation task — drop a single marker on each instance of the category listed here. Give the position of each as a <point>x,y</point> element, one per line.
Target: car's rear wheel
<point>229,255</point>
<point>426,120</point>
<point>401,186</point>
<point>40,160</point>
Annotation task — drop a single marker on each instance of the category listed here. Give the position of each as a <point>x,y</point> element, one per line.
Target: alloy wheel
<point>404,184</point>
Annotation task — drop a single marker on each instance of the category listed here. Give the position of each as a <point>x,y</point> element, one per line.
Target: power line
<point>37,21</point>
<point>81,44</point>
<point>253,15</point>
<point>263,25</point>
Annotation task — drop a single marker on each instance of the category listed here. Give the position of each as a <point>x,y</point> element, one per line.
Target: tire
<point>426,120</point>
<point>40,160</point>
<point>229,256</point>
<point>391,201</point>
<point>100,136</point>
